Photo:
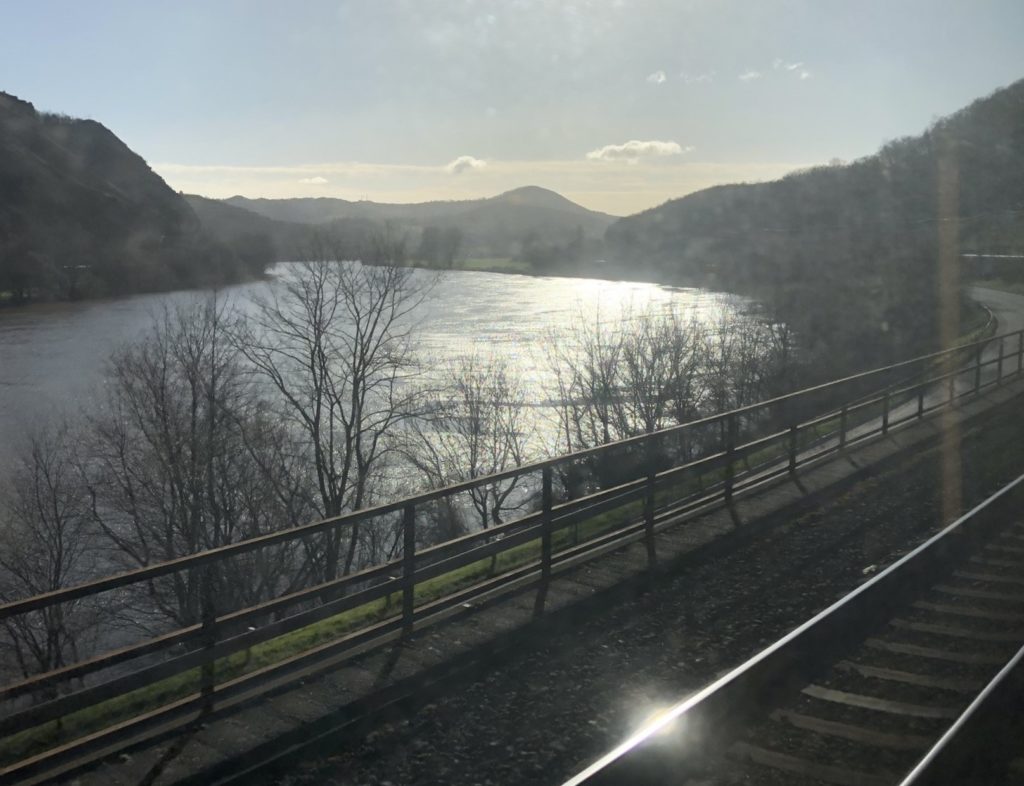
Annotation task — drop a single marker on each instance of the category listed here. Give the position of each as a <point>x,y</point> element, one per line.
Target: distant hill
<point>849,254</point>
<point>498,226</point>
<point>83,215</point>
<point>237,226</point>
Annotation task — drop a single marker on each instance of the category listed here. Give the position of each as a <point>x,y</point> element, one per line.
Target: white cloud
<point>779,63</point>
<point>314,181</point>
<point>805,74</point>
<point>465,164</point>
<point>657,78</point>
<point>748,76</point>
<point>691,79</point>
<point>635,149</point>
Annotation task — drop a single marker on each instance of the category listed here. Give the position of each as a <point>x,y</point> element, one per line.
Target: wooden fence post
<point>977,369</point>
<point>408,567</point>
<point>208,612</point>
<point>546,527</point>
<point>546,524</point>
<point>793,431</point>
<point>730,451</point>
<point>652,556</point>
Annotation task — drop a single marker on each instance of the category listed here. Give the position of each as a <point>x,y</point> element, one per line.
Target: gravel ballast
<point>540,716</point>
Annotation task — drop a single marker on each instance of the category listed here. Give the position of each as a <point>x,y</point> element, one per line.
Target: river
<point>52,356</point>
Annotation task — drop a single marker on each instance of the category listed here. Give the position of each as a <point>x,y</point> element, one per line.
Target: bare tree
<point>334,344</point>
<point>615,382</point>
<point>476,430</point>
<point>449,246</point>
<point>180,460</point>
<point>45,545</point>
<point>587,372</point>
<point>661,360</point>
<point>741,367</point>
<point>619,380</point>
<point>388,246</point>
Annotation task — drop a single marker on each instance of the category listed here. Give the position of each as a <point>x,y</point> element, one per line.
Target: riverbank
<point>53,355</point>
<point>597,269</point>
<point>8,302</point>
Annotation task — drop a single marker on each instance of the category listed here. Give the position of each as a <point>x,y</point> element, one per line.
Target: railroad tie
<point>879,704</point>
<point>997,563</point>
<point>956,684</point>
<point>1004,549</point>
<point>959,633</point>
<point>968,611</point>
<point>974,659</point>
<point>860,734</point>
<point>989,577</point>
<point>840,776</point>
<point>970,592</point>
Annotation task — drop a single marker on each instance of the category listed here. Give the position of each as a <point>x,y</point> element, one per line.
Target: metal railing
<point>737,449</point>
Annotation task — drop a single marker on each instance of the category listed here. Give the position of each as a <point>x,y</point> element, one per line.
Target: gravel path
<point>557,707</point>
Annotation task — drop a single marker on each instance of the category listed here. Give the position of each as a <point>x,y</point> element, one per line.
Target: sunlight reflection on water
<point>52,356</point>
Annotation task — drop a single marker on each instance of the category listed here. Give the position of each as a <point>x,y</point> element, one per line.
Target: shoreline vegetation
<point>847,255</point>
<point>503,265</point>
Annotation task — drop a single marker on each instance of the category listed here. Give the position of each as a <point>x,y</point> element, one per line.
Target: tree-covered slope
<point>850,254</point>
<point>83,215</point>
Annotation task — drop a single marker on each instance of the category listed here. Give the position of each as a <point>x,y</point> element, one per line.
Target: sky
<point>617,104</point>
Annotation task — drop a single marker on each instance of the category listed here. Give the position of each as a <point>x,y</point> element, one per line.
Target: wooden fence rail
<point>756,444</point>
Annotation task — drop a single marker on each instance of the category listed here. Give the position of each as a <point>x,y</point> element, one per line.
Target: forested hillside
<point>529,223</point>
<point>849,254</point>
<point>81,215</point>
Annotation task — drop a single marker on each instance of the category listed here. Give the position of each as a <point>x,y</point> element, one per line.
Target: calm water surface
<point>52,356</point>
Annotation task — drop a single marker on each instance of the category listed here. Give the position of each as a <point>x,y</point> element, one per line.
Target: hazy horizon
<point>617,105</point>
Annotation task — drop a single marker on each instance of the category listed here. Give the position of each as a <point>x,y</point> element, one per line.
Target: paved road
<point>1008,310</point>
<point>1007,307</point>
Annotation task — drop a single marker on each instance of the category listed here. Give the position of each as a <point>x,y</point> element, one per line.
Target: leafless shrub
<point>476,429</point>
<point>46,544</point>
<point>652,371</point>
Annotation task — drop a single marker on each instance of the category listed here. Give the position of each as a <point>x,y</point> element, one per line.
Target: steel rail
<point>940,764</point>
<point>698,714</point>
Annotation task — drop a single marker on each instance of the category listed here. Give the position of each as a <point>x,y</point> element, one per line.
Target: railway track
<point>913,678</point>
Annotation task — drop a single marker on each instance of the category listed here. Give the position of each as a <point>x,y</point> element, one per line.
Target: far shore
<point>503,265</point>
